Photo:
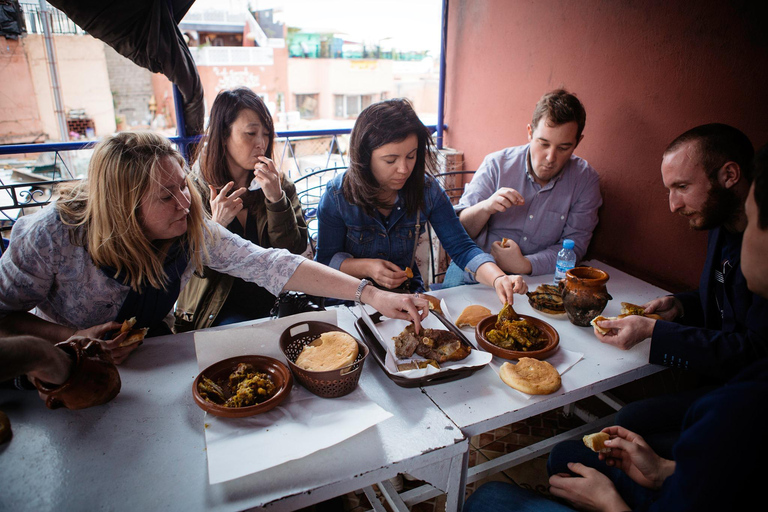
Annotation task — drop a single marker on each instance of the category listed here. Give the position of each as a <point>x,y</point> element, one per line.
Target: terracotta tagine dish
<point>94,379</point>
<point>584,294</point>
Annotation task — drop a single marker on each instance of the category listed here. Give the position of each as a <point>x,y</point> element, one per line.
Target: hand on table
<point>591,490</point>
<point>626,332</point>
<point>510,258</point>
<point>52,365</point>
<point>226,206</point>
<point>507,286</point>
<point>269,179</point>
<point>502,199</point>
<point>397,305</point>
<point>630,453</point>
<point>668,307</point>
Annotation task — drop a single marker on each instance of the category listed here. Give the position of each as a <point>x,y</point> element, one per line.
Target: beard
<point>721,207</point>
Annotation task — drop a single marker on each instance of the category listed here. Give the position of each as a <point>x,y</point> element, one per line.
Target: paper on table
<point>391,327</point>
<point>563,360</point>
<point>300,426</point>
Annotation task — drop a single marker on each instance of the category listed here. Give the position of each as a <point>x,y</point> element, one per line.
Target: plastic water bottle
<point>566,260</point>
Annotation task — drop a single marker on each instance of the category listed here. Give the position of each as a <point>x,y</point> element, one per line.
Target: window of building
<point>306,104</point>
<point>351,105</point>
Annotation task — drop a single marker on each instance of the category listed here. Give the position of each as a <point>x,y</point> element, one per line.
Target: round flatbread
<point>531,376</point>
<point>331,351</point>
<point>472,315</point>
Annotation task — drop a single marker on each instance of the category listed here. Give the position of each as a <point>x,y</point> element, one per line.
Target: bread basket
<point>329,384</point>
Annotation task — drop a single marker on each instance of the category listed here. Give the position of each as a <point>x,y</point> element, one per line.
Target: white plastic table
<point>483,402</point>
<point>145,450</point>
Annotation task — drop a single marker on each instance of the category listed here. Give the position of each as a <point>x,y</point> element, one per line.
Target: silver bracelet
<point>359,292</point>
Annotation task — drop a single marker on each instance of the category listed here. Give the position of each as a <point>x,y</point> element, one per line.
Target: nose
<point>551,155</point>
<point>403,167</point>
<point>184,200</point>
<point>675,202</point>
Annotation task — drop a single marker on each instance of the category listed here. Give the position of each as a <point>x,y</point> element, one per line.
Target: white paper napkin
<point>300,426</point>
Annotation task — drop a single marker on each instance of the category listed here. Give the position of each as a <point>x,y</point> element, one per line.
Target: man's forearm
<point>474,219</point>
<point>23,323</point>
<point>30,355</point>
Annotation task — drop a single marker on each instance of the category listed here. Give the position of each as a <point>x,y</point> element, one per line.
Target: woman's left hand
<point>507,286</point>
<point>269,179</point>
<point>397,305</point>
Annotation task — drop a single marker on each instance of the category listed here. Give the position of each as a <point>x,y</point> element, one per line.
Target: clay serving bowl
<point>488,323</point>
<point>220,371</point>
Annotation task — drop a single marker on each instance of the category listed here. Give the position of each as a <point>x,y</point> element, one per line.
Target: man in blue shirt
<point>535,195</point>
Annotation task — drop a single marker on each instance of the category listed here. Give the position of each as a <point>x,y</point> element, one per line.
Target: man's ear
<point>530,133</point>
<point>729,174</point>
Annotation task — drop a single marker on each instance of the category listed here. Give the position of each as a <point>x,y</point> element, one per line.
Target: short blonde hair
<point>104,209</point>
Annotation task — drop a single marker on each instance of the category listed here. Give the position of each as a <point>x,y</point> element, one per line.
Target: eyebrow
<point>396,155</point>
<point>563,144</point>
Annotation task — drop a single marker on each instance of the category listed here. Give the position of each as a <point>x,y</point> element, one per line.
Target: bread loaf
<point>331,351</point>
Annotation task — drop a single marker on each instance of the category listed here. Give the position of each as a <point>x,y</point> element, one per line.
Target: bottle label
<point>561,268</point>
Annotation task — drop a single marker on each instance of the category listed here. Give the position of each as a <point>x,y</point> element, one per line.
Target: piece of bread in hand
<point>472,315</point>
<point>134,335</point>
<point>504,242</point>
<point>599,329</point>
<point>628,309</point>
<point>596,442</point>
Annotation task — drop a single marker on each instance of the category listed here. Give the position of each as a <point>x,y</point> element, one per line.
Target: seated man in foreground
<point>705,473</point>
<point>535,195</point>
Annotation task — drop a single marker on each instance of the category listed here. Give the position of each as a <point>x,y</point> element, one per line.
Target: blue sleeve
<point>452,234</point>
<point>331,230</point>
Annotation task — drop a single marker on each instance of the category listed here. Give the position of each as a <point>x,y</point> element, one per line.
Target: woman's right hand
<point>385,273</point>
<point>112,347</point>
<point>225,207</point>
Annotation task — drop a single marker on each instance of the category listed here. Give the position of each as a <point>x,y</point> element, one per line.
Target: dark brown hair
<point>761,186</point>
<point>716,145</point>
<point>226,107</point>
<point>560,107</point>
<point>379,124</point>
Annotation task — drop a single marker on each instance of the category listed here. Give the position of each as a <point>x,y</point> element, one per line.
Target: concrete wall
<point>84,80</point>
<point>131,87</point>
<point>19,117</point>
<point>646,71</point>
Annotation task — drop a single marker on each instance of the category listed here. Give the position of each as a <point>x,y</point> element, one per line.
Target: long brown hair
<point>226,107</point>
<point>104,208</point>
<point>379,124</point>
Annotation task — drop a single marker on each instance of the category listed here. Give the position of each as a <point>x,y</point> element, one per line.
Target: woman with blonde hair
<point>246,194</point>
<point>125,241</point>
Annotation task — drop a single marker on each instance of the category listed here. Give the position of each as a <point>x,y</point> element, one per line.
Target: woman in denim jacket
<point>370,217</point>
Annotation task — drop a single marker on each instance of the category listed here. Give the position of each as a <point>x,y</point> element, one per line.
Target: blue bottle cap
<point>568,243</point>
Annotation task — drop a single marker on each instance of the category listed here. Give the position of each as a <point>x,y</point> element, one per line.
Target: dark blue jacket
<point>699,341</point>
<point>721,454</point>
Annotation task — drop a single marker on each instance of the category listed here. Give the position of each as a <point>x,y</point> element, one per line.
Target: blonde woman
<point>124,242</point>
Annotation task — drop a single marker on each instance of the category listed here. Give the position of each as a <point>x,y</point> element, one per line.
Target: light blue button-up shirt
<point>566,207</point>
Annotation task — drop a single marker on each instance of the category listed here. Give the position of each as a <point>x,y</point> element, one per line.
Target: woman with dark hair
<point>370,217</point>
<point>263,208</point>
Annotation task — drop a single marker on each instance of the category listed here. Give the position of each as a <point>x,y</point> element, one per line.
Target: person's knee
<point>569,451</point>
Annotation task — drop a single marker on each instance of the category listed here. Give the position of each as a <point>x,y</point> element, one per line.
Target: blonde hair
<point>103,209</point>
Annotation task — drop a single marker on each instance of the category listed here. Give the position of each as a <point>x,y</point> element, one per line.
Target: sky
<point>409,24</point>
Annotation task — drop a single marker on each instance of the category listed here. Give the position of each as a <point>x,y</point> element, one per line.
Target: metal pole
<point>53,69</point>
<point>181,128</point>
<point>441,91</point>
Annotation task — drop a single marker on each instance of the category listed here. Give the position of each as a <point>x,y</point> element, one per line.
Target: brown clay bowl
<point>279,373</point>
<point>488,323</point>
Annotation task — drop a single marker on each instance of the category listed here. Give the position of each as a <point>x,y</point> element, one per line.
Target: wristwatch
<point>359,293</point>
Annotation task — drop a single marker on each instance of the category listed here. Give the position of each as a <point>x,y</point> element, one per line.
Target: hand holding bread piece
<point>596,442</point>
<point>331,351</point>
<point>531,376</point>
<point>134,335</point>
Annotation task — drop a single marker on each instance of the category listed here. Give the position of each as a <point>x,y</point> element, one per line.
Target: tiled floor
<point>531,474</point>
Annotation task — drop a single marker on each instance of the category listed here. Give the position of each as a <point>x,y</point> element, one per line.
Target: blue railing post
<point>441,90</point>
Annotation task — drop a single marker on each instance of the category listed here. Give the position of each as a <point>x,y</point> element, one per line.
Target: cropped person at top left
<point>124,242</point>
<point>246,194</point>
<point>370,218</point>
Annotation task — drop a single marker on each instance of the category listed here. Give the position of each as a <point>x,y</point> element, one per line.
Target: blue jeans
<point>505,497</point>
<point>636,496</point>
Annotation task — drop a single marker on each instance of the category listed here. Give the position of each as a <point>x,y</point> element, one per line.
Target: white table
<point>483,402</point>
<point>145,450</point>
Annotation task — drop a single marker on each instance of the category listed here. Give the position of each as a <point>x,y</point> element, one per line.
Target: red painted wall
<point>645,71</point>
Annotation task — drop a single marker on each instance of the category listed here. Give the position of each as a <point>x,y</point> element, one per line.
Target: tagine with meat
<point>436,344</point>
<point>244,386</point>
<point>512,332</point>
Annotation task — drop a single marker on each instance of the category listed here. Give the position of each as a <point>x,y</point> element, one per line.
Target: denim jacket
<point>346,231</point>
